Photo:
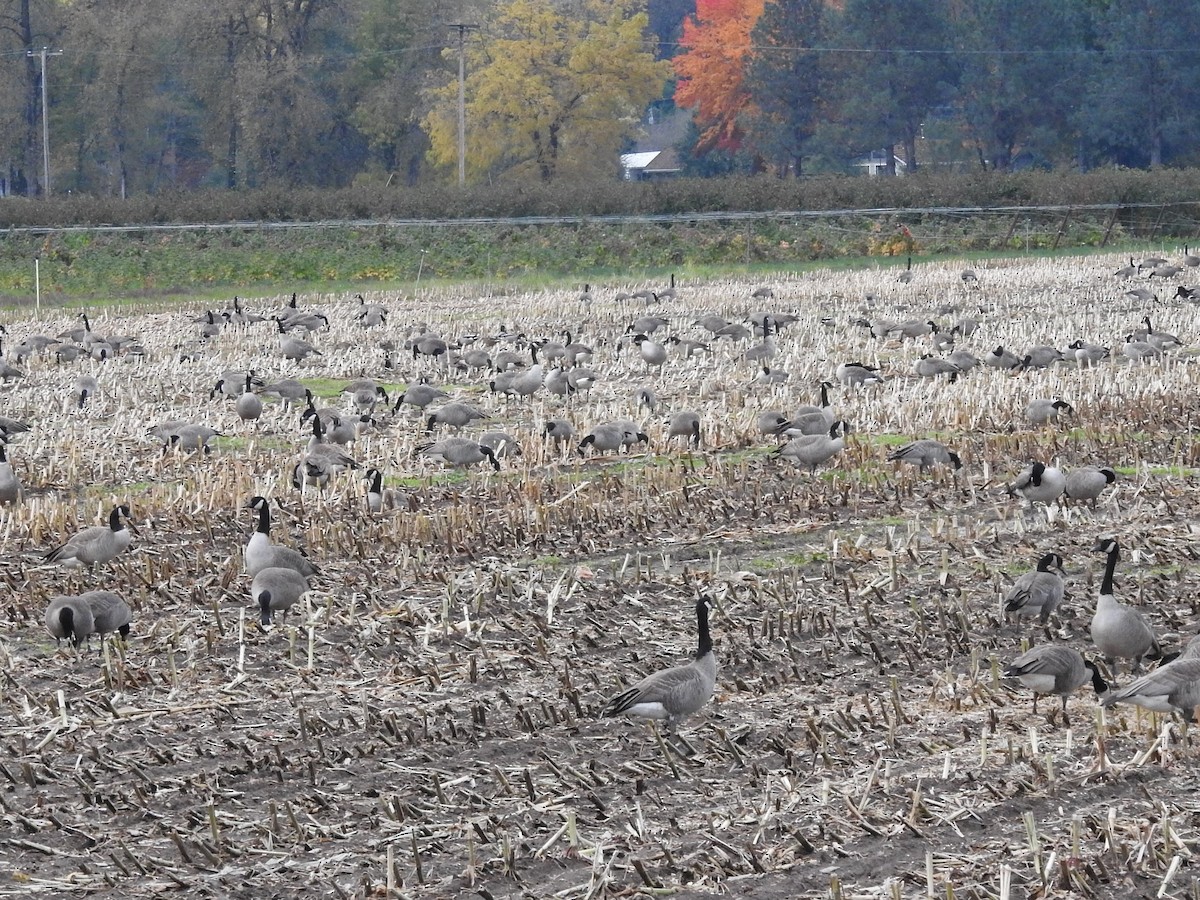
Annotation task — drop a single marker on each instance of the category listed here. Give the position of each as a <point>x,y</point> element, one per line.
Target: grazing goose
<point>276,588</point>
<point>609,437</point>
<point>261,554</point>
<point>420,396</point>
<point>501,443</point>
<point>856,374</point>
<point>687,347</point>
<point>290,391</point>
<point>1043,411</point>
<point>85,388</point>
<point>999,358</point>
<point>771,376</point>
<point>773,422</point>
<point>1039,592</point>
<point>459,451</point>
<point>430,345</point>
<point>912,328</point>
<point>965,360</point>
<point>647,397</point>
<point>932,366</point>
<point>1053,669</point>
<point>926,453</point>
<point>1088,483</point>
<point>559,430</point>
<point>1139,351</point>
<point>672,694</point>
<point>814,449</point>
<point>194,438</point>
<point>456,415</point>
<point>581,379</point>
<point>70,618</point>
<point>712,323</point>
<point>109,613</point>
<point>1088,354</point>
<point>685,424</point>
<point>574,352</point>
<point>10,485</point>
<point>1119,631</point>
<point>652,352</point>
<point>294,348</point>
<point>1038,483</point>
<point>1173,687</point>
<point>97,544</point>
<point>365,396</point>
<point>249,406</point>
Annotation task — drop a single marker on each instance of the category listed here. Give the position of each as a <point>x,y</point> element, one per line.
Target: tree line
<point>144,97</point>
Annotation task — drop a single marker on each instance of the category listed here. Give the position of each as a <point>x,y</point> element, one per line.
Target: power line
<point>42,54</point>
<point>463,28</point>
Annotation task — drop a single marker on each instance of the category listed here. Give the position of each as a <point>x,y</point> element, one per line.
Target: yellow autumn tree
<point>548,95</point>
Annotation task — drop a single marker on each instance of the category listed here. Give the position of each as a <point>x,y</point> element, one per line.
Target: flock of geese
<point>554,370</point>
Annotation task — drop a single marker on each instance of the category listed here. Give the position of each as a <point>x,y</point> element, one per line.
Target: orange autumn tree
<point>712,68</point>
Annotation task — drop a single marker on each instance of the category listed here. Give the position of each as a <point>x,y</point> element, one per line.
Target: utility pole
<point>42,54</point>
<point>462,99</point>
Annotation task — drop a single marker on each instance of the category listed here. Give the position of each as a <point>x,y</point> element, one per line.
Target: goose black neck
<point>824,395</point>
<point>1110,568</point>
<point>66,622</point>
<point>114,519</point>
<point>704,645</point>
<point>1098,682</point>
<point>377,482</point>
<point>264,607</point>
<point>264,518</point>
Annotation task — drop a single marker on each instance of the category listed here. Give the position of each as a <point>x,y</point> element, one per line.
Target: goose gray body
<point>854,374</point>
<point>685,424</point>
<point>456,415</point>
<point>1039,592</point>
<point>1174,687</point>
<point>1054,669</point>
<point>558,430</point>
<point>609,437</point>
<point>276,588</point>
<point>110,612</point>
<point>249,405</point>
<point>10,485</point>
<point>925,454</point>
<point>1038,483</point>
<point>1043,411</point>
<point>1088,483</point>
<point>70,618</point>
<point>457,451</point>
<point>672,694</point>
<point>813,450</point>
<point>97,544</point>
<point>932,366</point>
<point>261,554</point>
<point>1119,631</point>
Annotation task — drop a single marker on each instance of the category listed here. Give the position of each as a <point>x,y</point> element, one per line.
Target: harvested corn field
<point>424,720</point>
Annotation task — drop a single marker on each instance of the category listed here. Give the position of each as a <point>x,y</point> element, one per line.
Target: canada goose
<point>458,451</point>
<point>1165,271</point>
<point>1088,354</point>
<point>1043,411</point>
<point>999,358</point>
<point>289,390</point>
<point>1119,631</point>
<point>1139,351</point>
<point>294,348</point>
<point>772,422</point>
<point>381,499</point>
<point>925,453</point>
<point>507,360</point>
<point>10,426</point>
<point>1190,294</point>
<point>585,298</point>
<point>735,331</point>
<point>672,694</point>
<point>760,353</point>
<point>965,360</point>
<point>429,345</point>
<point>1088,483</point>
<point>420,396</point>
<point>324,453</point>
<point>856,374</point>
<point>1039,592</point>
<point>574,352</point>
<point>965,327</point>
<point>557,383</point>
<point>559,430</point>
<point>231,384</point>
<point>261,554</point>
<point>687,347</point>
<point>1160,340</point>
<point>365,395</point>
<point>668,293</point>
<point>646,396</point>
<point>1151,261</point>
<point>78,335</point>
<point>1127,271</point>
<point>332,426</point>
<point>1172,687</point>
<point>276,588</point>
<point>97,544</point>
<point>810,418</point>
<point>1041,357</point>
<point>912,328</point>
<point>501,443</point>
<point>1190,260</point>
<point>456,415</point>
<point>1038,483</point>
<point>763,292</point>
<point>1053,669</point>
<point>647,325</point>
<point>652,352</point>
<point>969,276</point>
<point>771,376</point>
<point>109,613</point>
<point>906,276</point>
<point>192,437</point>
<point>10,485</point>
<point>685,424</point>
<point>933,366</point>
<point>7,371</point>
<point>1143,295</point>
<point>609,437</point>
<point>249,405</point>
<point>211,327</point>
<point>814,449</point>
<point>86,387</point>
<point>529,382</point>
<point>712,323</point>
<point>70,618</point>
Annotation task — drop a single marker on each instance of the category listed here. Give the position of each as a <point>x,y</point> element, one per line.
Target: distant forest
<point>144,98</point>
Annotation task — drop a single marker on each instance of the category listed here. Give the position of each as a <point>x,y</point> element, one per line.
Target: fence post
<point>1062,229</point>
<point>1112,220</point>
